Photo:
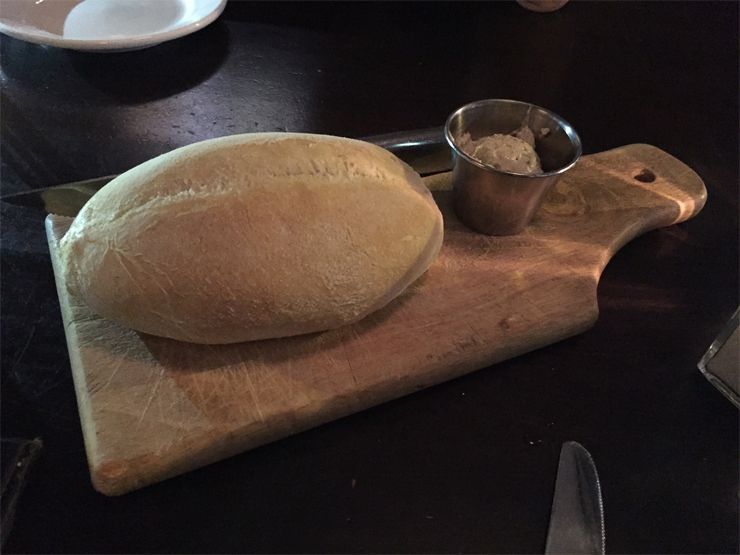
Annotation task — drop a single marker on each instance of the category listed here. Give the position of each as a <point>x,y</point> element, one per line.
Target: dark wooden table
<point>466,466</point>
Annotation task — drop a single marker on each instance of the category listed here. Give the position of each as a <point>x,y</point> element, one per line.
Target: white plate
<point>105,25</point>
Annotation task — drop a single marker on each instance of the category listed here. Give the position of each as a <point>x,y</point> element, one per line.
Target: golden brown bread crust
<point>252,237</point>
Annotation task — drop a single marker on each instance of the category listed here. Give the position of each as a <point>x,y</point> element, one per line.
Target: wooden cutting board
<point>152,408</point>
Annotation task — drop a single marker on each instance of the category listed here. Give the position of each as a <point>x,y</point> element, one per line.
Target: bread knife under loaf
<point>425,150</point>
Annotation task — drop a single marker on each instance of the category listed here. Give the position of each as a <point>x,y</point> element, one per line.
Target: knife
<point>425,150</point>
<point>577,517</point>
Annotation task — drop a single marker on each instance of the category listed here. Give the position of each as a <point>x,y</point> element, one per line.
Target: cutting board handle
<point>629,191</point>
<point>605,201</point>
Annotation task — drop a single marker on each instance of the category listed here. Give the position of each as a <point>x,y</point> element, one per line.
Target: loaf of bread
<point>252,237</point>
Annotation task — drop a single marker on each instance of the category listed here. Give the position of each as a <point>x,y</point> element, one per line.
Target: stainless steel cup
<point>493,201</point>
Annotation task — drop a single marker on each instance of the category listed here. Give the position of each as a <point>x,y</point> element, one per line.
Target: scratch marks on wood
<point>254,395</point>
<point>128,351</point>
<point>152,394</point>
<point>475,336</point>
<point>116,368</point>
<point>349,365</point>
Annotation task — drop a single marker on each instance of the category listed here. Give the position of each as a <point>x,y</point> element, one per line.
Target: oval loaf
<point>252,237</point>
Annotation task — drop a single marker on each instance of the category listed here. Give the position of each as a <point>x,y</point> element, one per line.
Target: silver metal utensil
<point>425,150</point>
<point>577,517</point>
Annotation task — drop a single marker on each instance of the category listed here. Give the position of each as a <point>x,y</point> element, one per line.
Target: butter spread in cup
<point>513,153</point>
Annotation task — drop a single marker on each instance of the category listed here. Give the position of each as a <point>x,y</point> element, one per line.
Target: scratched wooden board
<point>152,408</point>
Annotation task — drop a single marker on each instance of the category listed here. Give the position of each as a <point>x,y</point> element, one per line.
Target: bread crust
<point>252,237</point>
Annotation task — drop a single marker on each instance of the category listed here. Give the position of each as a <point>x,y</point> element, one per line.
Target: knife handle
<point>425,150</point>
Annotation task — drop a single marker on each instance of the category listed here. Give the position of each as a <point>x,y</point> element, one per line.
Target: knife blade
<point>577,517</point>
<point>425,150</point>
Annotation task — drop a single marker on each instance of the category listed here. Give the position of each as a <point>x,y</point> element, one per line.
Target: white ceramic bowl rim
<point>39,36</point>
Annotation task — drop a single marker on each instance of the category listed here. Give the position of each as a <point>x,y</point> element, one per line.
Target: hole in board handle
<point>645,176</point>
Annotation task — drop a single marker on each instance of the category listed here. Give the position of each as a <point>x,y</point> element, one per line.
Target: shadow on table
<point>157,72</point>
<point>129,78</point>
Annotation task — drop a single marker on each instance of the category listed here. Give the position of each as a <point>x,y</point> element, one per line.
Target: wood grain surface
<point>152,408</point>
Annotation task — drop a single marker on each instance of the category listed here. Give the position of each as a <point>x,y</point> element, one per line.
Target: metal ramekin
<point>493,201</point>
